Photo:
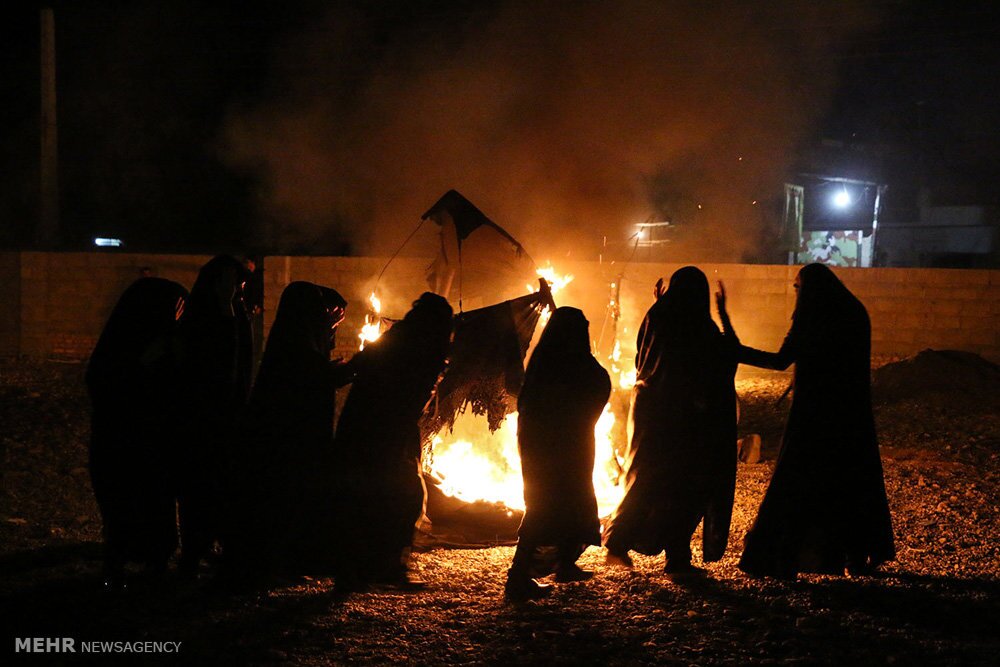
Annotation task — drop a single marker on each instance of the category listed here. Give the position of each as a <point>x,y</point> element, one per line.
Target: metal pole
<point>48,222</point>
<point>878,202</point>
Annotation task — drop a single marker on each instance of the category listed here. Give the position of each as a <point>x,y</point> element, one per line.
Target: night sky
<point>329,127</point>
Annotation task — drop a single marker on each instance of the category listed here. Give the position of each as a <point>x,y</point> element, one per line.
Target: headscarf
<point>222,275</point>
<point>680,317</point>
<point>564,341</point>
<point>823,300</point>
<point>146,311</point>
<point>306,317</point>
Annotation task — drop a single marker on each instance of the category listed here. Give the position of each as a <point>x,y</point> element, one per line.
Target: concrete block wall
<point>910,309</point>
<point>55,304</point>
<point>64,299</point>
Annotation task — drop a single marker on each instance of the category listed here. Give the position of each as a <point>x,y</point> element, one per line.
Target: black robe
<point>681,462</point>
<point>378,443</point>
<point>280,491</point>
<point>213,381</point>
<point>564,393</point>
<point>826,506</point>
<point>128,379</point>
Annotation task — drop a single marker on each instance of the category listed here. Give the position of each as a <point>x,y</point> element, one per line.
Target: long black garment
<point>213,382</point>
<point>564,392</point>
<point>826,506</point>
<point>681,463</point>
<point>280,492</point>
<point>378,440</point>
<point>128,379</point>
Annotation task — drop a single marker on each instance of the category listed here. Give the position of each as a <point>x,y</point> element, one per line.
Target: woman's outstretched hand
<point>659,290</point>
<point>720,297</point>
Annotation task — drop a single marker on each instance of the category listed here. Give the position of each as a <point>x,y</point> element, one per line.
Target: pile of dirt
<point>963,375</point>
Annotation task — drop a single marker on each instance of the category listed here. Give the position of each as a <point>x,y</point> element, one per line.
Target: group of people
<point>825,510</point>
<point>187,443</point>
<point>184,443</point>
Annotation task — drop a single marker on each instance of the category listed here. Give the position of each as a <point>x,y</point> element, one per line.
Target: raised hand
<point>659,290</point>
<point>720,297</point>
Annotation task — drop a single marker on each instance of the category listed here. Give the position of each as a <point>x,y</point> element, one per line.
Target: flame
<point>489,469</point>
<point>556,282</point>
<point>371,330</point>
<point>476,465</point>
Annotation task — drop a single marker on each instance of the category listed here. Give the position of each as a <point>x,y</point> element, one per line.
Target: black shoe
<point>522,590</point>
<point>682,569</point>
<point>405,582</point>
<point>572,572</point>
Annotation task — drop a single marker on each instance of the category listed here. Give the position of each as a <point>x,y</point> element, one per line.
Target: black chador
<point>378,443</point>
<point>825,509</point>
<point>214,371</point>
<point>681,463</point>
<point>128,379</point>
<point>280,490</point>
<point>564,392</point>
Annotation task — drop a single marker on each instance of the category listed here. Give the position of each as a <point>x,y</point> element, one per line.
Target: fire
<point>476,465</point>
<point>556,282</point>
<point>487,467</point>
<point>372,328</point>
<point>625,377</point>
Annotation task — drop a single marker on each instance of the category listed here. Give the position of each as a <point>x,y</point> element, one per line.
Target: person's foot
<point>618,559</point>
<point>568,573</point>
<point>523,590</point>
<point>407,582</point>
<point>347,584</point>
<point>682,568</point>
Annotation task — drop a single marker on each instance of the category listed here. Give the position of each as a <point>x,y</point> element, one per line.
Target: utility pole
<point>48,223</point>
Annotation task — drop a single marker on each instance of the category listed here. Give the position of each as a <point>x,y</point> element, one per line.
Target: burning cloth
<point>486,363</point>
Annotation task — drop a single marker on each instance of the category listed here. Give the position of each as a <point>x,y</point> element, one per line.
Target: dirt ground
<point>937,605</point>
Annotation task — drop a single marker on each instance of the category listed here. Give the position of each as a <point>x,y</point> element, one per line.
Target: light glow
<point>842,199</point>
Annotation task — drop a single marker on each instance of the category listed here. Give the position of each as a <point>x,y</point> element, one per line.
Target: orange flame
<point>476,465</point>
<point>372,328</point>
<point>486,466</point>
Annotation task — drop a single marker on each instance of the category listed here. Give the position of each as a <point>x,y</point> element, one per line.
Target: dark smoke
<point>564,121</point>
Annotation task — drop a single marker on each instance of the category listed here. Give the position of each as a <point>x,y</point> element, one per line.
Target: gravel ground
<point>938,604</point>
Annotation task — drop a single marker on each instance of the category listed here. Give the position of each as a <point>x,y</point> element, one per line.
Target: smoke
<point>565,122</point>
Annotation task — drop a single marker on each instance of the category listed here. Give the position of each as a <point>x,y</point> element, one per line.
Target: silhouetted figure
<point>826,506</point>
<point>128,379</point>
<point>214,371</point>
<point>378,444</point>
<point>280,502</point>
<point>564,392</point>
<point>681,462</point>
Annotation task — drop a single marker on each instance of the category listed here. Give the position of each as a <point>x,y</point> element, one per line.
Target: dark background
<point>145,89</point>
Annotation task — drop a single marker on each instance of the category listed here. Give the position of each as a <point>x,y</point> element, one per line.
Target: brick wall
<point>55,304</point>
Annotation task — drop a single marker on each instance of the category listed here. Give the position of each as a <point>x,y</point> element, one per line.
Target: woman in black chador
<point>826,507</point>
<point>214,372</point>
<point>280,493</point>
<point>378,444</point>
<point>128,378</point>
<point>681,464</point>
<point>564,392</point>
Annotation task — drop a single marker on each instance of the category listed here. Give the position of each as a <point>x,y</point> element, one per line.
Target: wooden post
<point>48,222</point>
